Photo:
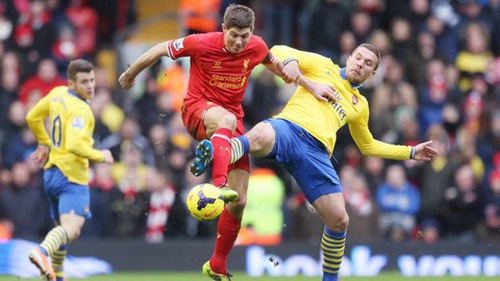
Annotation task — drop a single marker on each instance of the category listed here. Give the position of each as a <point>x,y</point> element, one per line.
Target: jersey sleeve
<point>308,61</point>
<point>263,51</point>
<point>369,146</point>
<point>189,46</point>
<point>79,135</point>
<point>35,120</point>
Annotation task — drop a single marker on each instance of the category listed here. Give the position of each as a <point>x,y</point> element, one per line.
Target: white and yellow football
<point>205,202</point>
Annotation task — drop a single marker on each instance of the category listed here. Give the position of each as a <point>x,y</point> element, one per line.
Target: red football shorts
<point>192,117</point>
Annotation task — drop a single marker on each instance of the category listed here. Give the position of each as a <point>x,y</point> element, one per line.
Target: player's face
<point>236,39</point>
<point>84,85</point>
<point>360,65</point>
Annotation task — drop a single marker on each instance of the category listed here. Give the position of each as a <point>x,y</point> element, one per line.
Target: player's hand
<point>424,151</point>
<point>291,72</point>
<point>126,80</point>
<point>324,92</point>
<point>41,155</point>
<point>108,157</point>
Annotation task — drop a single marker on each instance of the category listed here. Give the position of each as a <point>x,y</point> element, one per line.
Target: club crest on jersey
<point>245,65</point>
<point>354,100</point>
<point>77,123</point>
<point>178,44</point>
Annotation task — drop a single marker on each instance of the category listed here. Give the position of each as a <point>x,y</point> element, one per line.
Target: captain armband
<point>288,60</point>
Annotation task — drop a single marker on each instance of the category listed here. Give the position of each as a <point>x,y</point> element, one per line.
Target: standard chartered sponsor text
<point>227,82</point>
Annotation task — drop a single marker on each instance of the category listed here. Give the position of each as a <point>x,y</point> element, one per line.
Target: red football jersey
<point>217,75</point>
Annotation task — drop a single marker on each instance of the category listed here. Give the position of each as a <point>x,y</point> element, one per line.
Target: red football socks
<point>221,141</point>
<point>228,228</point>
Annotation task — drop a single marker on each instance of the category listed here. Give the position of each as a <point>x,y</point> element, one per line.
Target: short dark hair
<point>76,66</point>
<point>239,16</point>
<point>374,50</point>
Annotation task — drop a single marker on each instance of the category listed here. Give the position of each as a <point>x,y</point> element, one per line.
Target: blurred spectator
<point>10,73</point>
<point>452,122</point>
<point>112,115</point>
<point>433,95</point>
<point>374,8</point>
<point>466,152</point>
<point>199,16</point>
<point>490,226</point>
<point>402,34</point>
<point>474,103</point>
<point>416,63</point>
<point>361,24</point>
<point>474,56</point>
<point>145,106</point>
<point>113,16</point>
<point>360,205</point>
<point>129,203</point>
<point>19,147</point>
<point>262,102</point>
<point>488,141</point>
<point>492,10</point>
<point>129,136</point>
<point>101,186</point>
<point>30,219</point>
<point>373,168</point>
<point>34,33</point>
<point>38,86</point>
<point>99,104</point>
<point>463,205</point>
<point>347,43</point>
<point>399,203</point>
<point>419,11</point>
<point>84,19</point>
<point>16,122</point>
<point>161,145</point>
<point>446,37</point>
<point>277,20</point>
<point>263,220</point>
<point>65,48</point>
<point>173,81</point>
<point>433,178</point>
<point>393,95</point>
<point>160,203</point>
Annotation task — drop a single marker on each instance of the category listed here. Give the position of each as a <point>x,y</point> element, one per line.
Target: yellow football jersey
<point>71,125</point>
<point>323,119</point>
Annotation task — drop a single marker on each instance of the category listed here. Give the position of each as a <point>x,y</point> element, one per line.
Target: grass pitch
<point>240,276</point>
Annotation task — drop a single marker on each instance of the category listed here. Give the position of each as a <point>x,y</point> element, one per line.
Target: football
<point>205,202</point>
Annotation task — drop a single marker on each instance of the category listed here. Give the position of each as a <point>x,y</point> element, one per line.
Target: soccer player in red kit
<point>221,63</point>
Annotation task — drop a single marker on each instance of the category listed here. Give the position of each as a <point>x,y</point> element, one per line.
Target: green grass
<point>240,276</point>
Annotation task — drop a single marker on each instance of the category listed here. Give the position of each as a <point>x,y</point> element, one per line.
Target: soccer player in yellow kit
<point>302,138</point>
<point>64,153</point>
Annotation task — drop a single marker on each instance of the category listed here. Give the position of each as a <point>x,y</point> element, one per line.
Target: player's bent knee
<point>338,223</point>
<point>73,233</point>
<point>228,121</point>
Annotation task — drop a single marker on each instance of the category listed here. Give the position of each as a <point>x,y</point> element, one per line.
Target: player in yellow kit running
<point>64,153</point>
<point>302,138</point>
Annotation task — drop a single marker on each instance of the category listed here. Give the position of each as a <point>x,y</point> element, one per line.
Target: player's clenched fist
<point>126,80</point>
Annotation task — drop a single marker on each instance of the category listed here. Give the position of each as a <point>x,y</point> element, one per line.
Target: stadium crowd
<point>439,79</point>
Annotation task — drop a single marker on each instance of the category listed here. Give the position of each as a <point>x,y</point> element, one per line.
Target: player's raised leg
<point>204,155</point>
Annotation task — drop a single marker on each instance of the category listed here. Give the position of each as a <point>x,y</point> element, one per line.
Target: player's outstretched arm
<point>152,55</point>
<point>424,151</point>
